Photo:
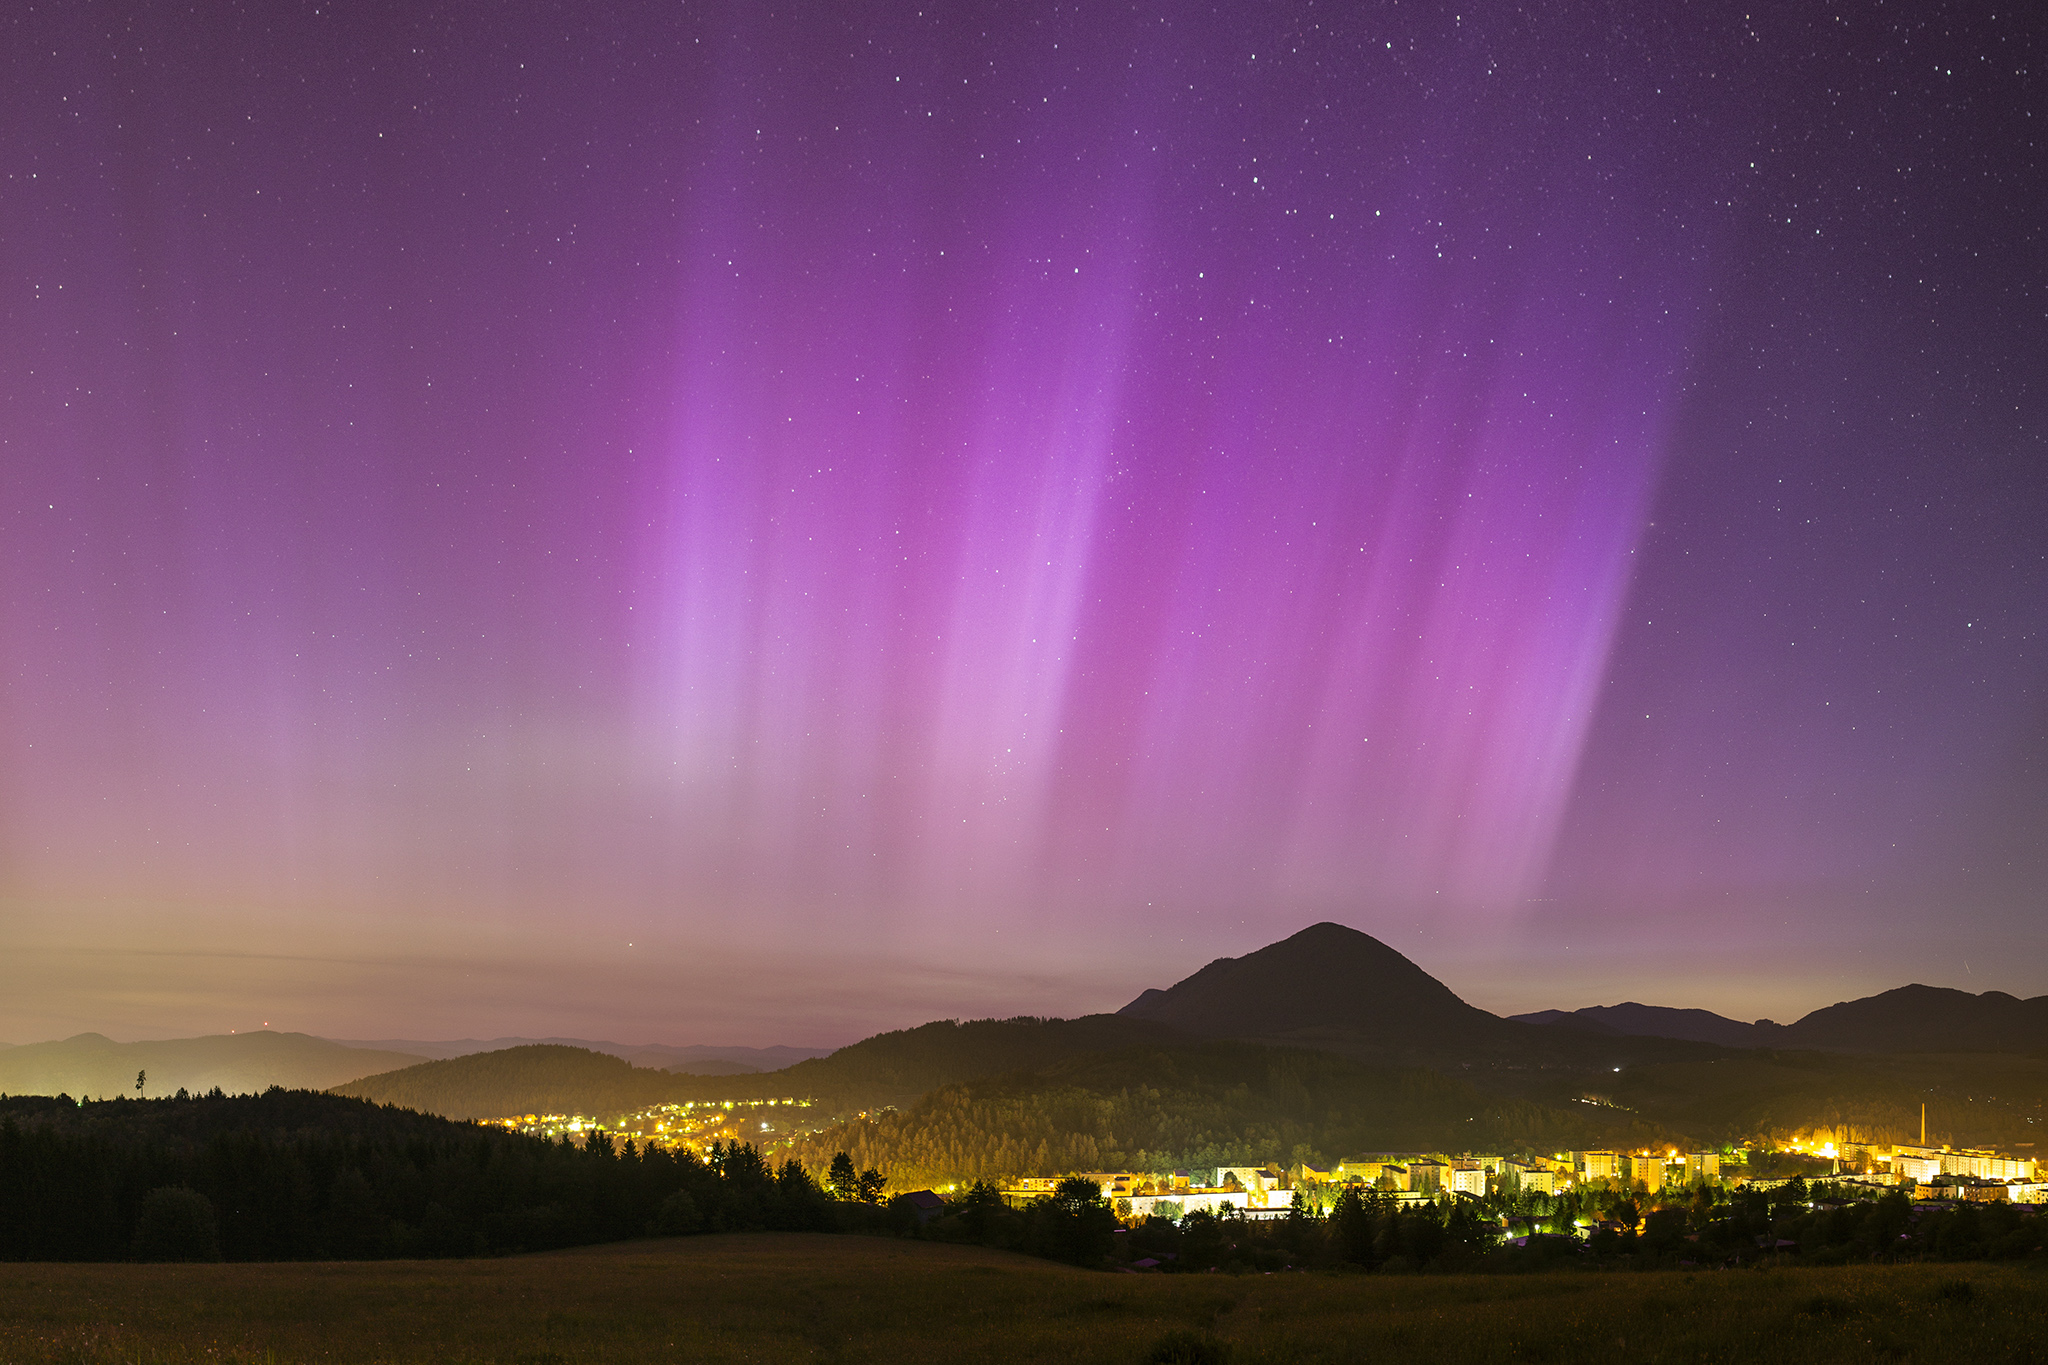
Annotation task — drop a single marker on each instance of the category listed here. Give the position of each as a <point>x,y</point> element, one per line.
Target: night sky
<point>762,524</point>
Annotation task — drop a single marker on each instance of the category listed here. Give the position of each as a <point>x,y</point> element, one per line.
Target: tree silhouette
<point>840,1178</point>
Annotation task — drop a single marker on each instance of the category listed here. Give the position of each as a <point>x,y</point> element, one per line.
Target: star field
<point>896,513</point>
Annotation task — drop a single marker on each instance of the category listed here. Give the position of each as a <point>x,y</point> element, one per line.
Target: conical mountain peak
<point>1328,977</point>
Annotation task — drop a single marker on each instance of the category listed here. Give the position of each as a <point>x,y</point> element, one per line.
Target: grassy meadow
<point>800,1298</point>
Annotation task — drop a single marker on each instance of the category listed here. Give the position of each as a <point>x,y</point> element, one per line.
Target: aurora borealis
<point>719,523</point>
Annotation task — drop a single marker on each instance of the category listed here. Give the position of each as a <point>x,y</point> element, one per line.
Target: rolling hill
<point>238,1063</point>
<point>697,1059</point>
<point>1209,1048</point>
<point>1204,1103</point>
<point>1912,1018</point>
<point>1927,1019</point>
<point>888,1069</point>
<point>1328,988</point>
<point>539,1078</point>
<point>1658,1021</point>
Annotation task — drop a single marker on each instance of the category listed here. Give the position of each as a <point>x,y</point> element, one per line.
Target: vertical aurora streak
<point>579,507</point>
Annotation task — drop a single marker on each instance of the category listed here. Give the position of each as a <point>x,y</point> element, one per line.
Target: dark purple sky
<point>762,524</point>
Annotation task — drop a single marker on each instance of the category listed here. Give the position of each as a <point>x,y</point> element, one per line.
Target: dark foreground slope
<point>292,1175</point>
<point>728,1300</point>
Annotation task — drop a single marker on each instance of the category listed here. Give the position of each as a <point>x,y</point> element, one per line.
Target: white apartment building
<point>1916,1167</point>
<point>1987,1165</point>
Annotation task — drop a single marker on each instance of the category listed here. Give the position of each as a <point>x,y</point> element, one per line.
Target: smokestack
<point>1923,1123</point>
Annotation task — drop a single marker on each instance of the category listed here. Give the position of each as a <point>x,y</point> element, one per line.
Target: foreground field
<point>794,1298</point>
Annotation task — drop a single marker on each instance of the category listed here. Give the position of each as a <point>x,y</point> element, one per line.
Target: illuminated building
<point>1987,1165</point>
<point>1597,1165</point>
<point>1921,1168</point>
<point>1257,1182</point>
<point>1426,1175</point>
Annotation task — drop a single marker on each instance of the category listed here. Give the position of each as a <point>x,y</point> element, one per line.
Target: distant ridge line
<point>693,1058</point>
<point>1914,1018</point>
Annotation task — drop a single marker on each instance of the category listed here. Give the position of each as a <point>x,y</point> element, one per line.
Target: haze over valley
<point>1023,682</point>
<point>1329,1001</point>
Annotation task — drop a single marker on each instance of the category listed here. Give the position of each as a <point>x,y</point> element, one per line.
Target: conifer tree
<point>841,1180</point>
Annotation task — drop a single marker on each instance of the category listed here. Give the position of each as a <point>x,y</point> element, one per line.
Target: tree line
<point>1218,1104</point>
<point>294,1175</point>
<point>1369,1231</point>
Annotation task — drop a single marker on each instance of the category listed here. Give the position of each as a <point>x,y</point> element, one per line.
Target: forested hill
<point>1206,1104</point>
<point>195,1122</point>
<point>888,1069</point>
<point>292,1175</point>
<point>1908,1019</point>
<point>544,1078</point>
<point>897,1068</point>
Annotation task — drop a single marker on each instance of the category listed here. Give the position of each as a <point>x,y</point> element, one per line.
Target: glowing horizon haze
<point>699,525</point>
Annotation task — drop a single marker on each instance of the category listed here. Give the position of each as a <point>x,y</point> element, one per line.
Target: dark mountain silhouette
<point>1580,1020</point>
<point>699,1059</point>
<point>1658,1021</point>
<point>1927,1019</point>
<point>714,1066</point>
<point>239,1063</point>
<point>1325,979</point>
<point>541,1078</point>
<point>1909,1019</point>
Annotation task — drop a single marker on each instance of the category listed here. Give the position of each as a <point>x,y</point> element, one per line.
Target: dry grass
<point>793,1298</point>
